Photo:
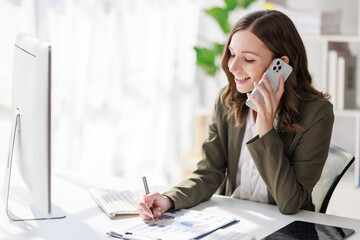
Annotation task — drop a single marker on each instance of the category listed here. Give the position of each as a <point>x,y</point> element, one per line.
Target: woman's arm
<point>291,181</point>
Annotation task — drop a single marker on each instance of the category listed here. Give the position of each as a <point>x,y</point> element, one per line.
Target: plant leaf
<point>244,3</point>
<point>221,17</point>
<point>205,58</point>
<point>231,4</point>
<point>218,49</point>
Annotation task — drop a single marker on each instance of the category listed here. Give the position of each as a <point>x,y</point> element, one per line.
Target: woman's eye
<point>249,60</point>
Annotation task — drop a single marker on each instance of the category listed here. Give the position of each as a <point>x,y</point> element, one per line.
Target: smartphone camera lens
<point>278,62</point>
<point>279,67</point>
<point>274,68</point>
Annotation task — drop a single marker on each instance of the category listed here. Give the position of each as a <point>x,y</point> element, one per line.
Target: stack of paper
<point>181,224</point>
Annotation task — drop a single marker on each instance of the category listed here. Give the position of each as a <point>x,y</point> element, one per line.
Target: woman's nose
<point>234,65</point>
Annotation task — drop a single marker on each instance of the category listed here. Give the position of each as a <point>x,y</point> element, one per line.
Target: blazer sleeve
<point>291,180</point>
<point>210,171</point>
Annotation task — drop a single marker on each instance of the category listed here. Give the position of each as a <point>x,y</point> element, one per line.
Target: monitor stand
<point>19,204</point>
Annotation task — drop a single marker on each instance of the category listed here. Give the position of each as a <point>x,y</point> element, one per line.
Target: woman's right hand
<point>158,202</point>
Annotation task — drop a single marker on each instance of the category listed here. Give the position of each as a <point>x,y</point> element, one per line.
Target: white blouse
<point>248,184</point>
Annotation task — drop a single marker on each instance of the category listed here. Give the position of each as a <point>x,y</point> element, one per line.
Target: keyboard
<point>115,203</point>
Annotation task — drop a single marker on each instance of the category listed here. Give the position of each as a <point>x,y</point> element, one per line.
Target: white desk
<point>85,220</point>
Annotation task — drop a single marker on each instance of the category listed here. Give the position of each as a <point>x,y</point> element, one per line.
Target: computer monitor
<point>30,143</point>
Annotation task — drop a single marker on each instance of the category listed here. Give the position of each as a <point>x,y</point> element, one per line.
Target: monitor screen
<point>31,98</point>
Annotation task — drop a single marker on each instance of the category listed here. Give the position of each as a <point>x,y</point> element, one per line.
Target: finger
<point>142,208</point>
<point>144,211</point>
<point>280,90</point>
<point>150,198</point>
<point>267,84</point>
<point>157,212</point>
<point>141,205</point>
<point>140,198</point>
<point>258,104</point>
<point>269,89</point>
<point>264,93</point>
<point>145,216</point>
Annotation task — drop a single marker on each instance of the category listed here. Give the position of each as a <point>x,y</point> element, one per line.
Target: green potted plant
<point>208,58</point>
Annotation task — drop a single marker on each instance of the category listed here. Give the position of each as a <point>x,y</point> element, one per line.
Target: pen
<point>147,192</point>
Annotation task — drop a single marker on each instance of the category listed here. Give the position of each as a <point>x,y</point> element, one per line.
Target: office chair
<point>337,163</point>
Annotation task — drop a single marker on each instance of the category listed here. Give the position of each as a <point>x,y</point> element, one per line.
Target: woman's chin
<point>242,89</point>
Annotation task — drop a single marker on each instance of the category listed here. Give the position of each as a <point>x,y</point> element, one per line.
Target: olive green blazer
<point>289,163</point>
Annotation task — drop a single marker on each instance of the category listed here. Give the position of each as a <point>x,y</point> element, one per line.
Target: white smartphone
<point>277,68</point>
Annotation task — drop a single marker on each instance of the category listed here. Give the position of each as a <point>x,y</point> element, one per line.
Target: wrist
<point>170,203</point>
<point>264,132</point>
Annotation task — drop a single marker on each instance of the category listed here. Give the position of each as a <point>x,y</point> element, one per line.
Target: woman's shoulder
<point>221,91</point>
<point>219,101</point>
<point>220,108</point>
<point>319,105</point>
<point>316,110</point>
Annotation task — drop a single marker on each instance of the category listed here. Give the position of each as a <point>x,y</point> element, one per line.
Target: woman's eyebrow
<point>250,52</point>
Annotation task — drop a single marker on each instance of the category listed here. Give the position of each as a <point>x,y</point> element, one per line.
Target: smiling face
<point>249,59</point>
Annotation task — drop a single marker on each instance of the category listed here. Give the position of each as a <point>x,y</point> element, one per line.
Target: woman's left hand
<point>267,111</point>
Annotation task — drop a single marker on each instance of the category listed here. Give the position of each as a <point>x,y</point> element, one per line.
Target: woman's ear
<point>285,59</point>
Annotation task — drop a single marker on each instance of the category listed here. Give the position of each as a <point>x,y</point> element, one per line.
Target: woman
<point>275,155</point>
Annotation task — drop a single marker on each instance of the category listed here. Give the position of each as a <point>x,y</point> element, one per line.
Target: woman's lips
<point>242,80</point>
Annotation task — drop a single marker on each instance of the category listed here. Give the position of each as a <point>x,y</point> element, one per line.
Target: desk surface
<point>85,220</point>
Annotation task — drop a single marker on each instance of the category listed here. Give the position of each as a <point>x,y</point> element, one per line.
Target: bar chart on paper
<point>181,224</point>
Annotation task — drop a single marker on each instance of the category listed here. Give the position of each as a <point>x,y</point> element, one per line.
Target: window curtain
<point>15,16</point>
<point>123,85</point>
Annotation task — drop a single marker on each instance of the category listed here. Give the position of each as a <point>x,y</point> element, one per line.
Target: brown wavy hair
<point>279,34</point>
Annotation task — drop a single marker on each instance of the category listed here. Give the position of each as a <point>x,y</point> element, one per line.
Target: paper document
<point>181,224</point>
<point>223,234</point>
